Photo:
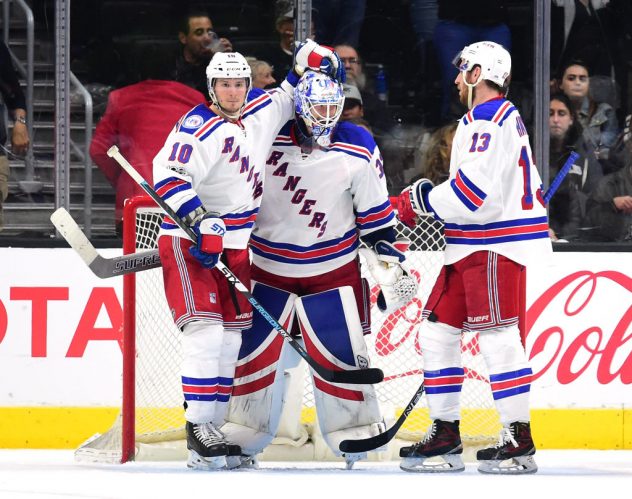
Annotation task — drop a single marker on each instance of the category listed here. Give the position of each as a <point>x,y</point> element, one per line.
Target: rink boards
<point>60,358</point>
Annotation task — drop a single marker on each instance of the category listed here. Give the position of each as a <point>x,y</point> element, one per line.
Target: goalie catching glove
<point>310,55</point>
<point>210,230</point>
<point>413,201</point>
<point>385,264</point>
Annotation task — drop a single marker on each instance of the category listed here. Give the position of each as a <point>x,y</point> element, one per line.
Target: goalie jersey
<point>211,162</point>
<point>315,206</point>
<point>493,198</point>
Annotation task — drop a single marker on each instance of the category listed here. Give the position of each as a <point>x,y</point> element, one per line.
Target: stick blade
<point>365,444</point>
<point>72,233</point>
<point>369,376</point>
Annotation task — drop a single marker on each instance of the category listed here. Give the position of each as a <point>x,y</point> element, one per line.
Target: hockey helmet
<point>227,65</point>
<point>318,101</point>
<point>493,59</point>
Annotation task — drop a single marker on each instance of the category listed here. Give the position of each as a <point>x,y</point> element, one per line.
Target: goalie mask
<point>318,103</point>
<point>494,61</point>
<point>227,65</point>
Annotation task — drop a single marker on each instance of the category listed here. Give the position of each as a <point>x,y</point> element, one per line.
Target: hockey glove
<point>210,230</point>
<point>413,201</point>
<point>385,261</point>
<point>310,55</point>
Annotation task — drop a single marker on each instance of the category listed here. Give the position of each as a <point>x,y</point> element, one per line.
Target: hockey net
<point>151,422</point>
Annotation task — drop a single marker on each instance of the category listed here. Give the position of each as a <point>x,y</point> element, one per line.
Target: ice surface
<point>27,474</point>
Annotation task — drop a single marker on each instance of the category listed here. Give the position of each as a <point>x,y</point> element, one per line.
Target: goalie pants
<point>347,275</point>
<point>480,293</point>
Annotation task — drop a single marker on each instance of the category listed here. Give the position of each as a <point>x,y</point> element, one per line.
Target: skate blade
<point>351,459</point>
<point>521,465</point>
<point>449,463</point>
<point>198,462</point>
<point>242,463</point>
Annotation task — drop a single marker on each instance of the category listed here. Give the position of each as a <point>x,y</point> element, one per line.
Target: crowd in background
<point>400,84</point>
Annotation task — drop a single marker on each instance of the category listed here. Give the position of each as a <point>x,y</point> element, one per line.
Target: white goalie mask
<point>493,59</point>
<point>227,65</point>
<point>318,101</point>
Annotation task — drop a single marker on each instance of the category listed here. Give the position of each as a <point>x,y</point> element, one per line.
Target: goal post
<point>152,415</point>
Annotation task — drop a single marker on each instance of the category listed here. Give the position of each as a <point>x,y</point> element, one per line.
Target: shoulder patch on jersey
<point>195,118</point>
<point>193,121</point>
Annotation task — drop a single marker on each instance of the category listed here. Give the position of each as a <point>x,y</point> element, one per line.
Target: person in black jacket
<point>609,207</point>
<point>567,206</point>
<point>15,102</point>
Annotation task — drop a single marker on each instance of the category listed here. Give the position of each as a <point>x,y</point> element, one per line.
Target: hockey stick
<point>377,441</point>
<point>101,266</point>
<point>560,177</point>
<point>360,376</point>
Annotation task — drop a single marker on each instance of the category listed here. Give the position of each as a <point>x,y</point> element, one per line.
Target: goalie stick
<point>377,441</point>
<point>369,375</point>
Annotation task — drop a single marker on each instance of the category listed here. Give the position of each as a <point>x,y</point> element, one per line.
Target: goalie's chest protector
<point>309,221</point>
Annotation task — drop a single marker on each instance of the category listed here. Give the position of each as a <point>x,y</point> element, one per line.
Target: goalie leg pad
<point>258,393</point>
<point>202,385</point>
<point>332,332</point>
<point>509,372</point>
<point>443,369</point>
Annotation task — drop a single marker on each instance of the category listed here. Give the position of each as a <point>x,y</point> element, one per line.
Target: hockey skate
<point>442,441</point>
<point>512,455</point>
<point>207,447</point>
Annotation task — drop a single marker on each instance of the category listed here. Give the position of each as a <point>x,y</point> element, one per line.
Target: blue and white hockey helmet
<point>318,101</point>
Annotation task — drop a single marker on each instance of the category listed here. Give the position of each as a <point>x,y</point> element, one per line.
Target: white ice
<point>27,474</point>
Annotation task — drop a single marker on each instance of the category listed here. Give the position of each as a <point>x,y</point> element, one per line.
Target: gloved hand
<point>385,261</point>
<point>310,55</point>
<point>210,230</point>
<point>413,201</point>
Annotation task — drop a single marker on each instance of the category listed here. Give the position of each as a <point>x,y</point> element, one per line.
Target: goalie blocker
<point>265,371</point>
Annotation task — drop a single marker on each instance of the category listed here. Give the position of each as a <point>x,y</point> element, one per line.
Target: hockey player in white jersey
<point>325,193</point>
<point>210,171</point>
<point>495,223</point>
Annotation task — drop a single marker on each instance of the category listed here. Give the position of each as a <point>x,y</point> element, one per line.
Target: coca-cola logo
<point>571,353</point>
<point>599,301</point>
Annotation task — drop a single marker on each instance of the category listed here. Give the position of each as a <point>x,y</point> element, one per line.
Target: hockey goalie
<point>325,193</point>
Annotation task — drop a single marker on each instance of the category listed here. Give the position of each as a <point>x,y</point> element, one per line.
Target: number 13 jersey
<point>493,198</point>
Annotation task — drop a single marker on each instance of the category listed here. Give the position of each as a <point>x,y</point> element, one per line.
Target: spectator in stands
<point>583,29</point>
<point>280,56</point>
<point>609,207</point>
<point>261,74</point>
<point>436,160</point>
<point>198,43</point>
<point>15,102</point>
<point>567,206</point>
<point>461,23</point>
<point>339,21</point>
<point>374,110</point>
<point>353,65</point>
<point>598,119</point>
<point>138,119</point>
<point>353,103</point>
